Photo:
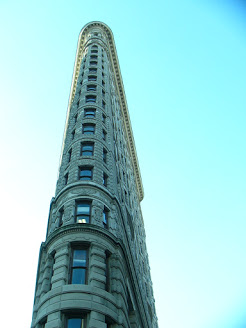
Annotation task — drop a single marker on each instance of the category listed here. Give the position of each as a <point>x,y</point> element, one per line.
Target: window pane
<point>83,219</point>
<point>83,209</point>
<point>79,258</point>
<point>75,323</point>
<point>78,276</point>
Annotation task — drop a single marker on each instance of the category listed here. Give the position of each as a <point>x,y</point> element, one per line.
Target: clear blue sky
<point>184,69</point>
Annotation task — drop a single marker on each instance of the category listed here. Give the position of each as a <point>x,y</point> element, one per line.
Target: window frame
<point>88,143</point>
<point>91,87</point>
<point>85,177</point>
<point>86,216</point>
<point>79,247</point>
<point>88,132</point>
<point>91,99</point>
<point>105,179</point>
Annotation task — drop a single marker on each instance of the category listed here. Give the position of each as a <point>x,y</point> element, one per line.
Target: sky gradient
<point>183,67</point>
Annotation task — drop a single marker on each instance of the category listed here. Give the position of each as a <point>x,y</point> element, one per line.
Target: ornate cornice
<point>120,89</point>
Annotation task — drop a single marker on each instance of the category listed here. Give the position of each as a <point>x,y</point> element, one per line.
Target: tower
<point>93,269</point>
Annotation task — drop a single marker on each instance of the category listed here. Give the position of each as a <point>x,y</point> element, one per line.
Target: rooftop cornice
<point>120,89</point>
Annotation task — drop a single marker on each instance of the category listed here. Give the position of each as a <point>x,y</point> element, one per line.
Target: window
<point>105,218</point>
<point>87,148</point>
<point>93,70</point>
<point>90,98</point>
<point>85,173</point>
<point>75,118</point>
<point>102,67</point>
<point>103,93</point>
<point>94,46</point>
<point>105,179</point>
<point>94,51</point>
<point>78,103</point>
<point>94,57</point>
<point>78,270</point>
<point>83,212</point>
<point>88,129</point>
<point>92,78</point>
<point>103,83</point>
<point>103,118</point>
<point>73,134</point>
<point>89,112</point>
<point>69,155</point>
<point>91,87</point>
<point>65,179</point>
<point>107,271</point>
<point>102,75</point>
<point>77,322</point>
<point>104,155</point>
<point>103,104</point>
<point>61,216</point>
<point>93,63</point>
<point>104,134</point>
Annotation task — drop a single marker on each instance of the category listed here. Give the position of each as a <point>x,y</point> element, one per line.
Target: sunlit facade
<point>93,268</point>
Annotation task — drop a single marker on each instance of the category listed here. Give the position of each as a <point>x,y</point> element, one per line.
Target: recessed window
<point>73,134</point>
<point>94,51</point>
<point>89,112</point>
<point>78,276</point>
<point>65,179</point>
<point>105,155</point>
<point>103,104</point>
<point>103,93</point>
<point>102,74</point>
<point>102,67</point>
<point>94,46</point>
<point>103,83</point>
<point>75,323</point>
<point>88,129</point>
<point>69,155</point>
<point>105,179</point>
<point>90,99</point>
<point>61,216</point>
<point>105,217</point>
<point>103,118</point>
<point>87,148</point>
<point>104,134</point>
<point>92,70</point>
<point>92,78</point>
<point>85,173</point>
<point>93,63</point>
<point>94,57</point>
<point>91,87</point>
<point>83,212</point>
<point>77,103</point>
<point>107,274</point>
<point>75,118</point>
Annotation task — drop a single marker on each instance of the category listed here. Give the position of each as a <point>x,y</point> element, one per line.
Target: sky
<point>184,69</point>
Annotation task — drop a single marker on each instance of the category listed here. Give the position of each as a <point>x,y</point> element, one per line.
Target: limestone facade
<point>93,267</point>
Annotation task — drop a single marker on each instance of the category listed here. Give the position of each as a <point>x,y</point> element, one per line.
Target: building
<point>93,268</point>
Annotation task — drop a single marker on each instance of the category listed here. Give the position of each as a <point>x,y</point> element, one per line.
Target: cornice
<point>120,89</point>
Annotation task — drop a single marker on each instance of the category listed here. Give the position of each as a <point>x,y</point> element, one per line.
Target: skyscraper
<point>93,268</point>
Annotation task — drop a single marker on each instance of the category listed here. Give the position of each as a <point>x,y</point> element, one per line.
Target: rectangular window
<point>105,218</point>
<point>75,118</point>
<point>91,87</point>
<point>105,179</point>
<point>89,112</point>
<point>61,216</point>
<point>94,46</point>
<point>103,93</point>
<point>92,70</point>
<point>104,155</point>
<point>92,78</point>
<point>78,268</point>
<point>87,149</point>
<point>85,173</point>
<point>88,129</point>
<point>107,271</point>
<point>75,323</point>
<point>103,118</point>
<point>73,134</point>
<point>93,63</point>
<point>90,98</point>
<point>104,134</point>
<point>69,155</point>
<point>103,83</point>
<point>94,57</point>
<point>103,104</point>
<point>83,212</point>
<point>65,179</point>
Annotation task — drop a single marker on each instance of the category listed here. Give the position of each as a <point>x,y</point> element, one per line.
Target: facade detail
<point>93,269</point>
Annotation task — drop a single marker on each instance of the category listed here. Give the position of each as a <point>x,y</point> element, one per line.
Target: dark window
<point>102,74</point>
<point>104,134</point>
<point>73,134</point>
<point>61,216</point>
<point>105,179</point>
<point>107,271</point>
<point>65,179</point>
<point>75,118</point>
<point>103,93</point>
<point>103,104</point>
<point>88,129</point>
<point>87,148</point>
<point>92,78</point>
<point>103,83</point>
<point>103,118</point>
<point>102,67</point>
<point>69,155</point>
<point>76,323</point>
<point>78,271</point>
<point>105,218</point>
<point>90,98</point>
<point>90,112</point>
<point>104,155</point>
<point>92,70</point>
<point>78,103</point>
<point>93,63</point>
<point>85,173</point>
<point>94,46</point>
<point>94,51</point>
<point>91,87</point>
<point>94,57</point>
<point>83,212</point>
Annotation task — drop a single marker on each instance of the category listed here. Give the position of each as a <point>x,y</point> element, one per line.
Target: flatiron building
<point>93,269</point>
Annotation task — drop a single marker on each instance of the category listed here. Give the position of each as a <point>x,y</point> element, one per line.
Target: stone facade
<point>93,267</point>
